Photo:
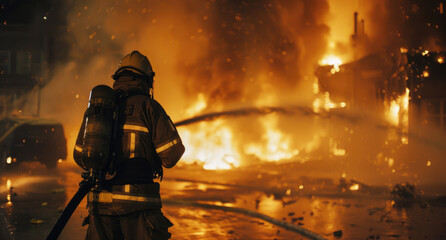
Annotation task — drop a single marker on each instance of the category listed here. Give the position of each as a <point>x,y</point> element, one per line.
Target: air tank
<point>98,128</point>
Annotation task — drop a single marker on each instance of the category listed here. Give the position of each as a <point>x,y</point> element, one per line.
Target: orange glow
<point>354,187</point>
<point>332,60</point>
<point>198,106</point>
<point>440,60</point>
<point>316,85</point>
<point>398,111</point>
<point>276,145</point>
<point>8,199</point>
<point>390,161</point>
<point>425,74</point>
<point>403,50</point>
<point>212,146</point>
<point>8,196</point>
<point>393,113</point>
<point>324,102</point>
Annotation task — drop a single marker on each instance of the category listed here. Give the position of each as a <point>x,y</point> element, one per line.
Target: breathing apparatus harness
<point>101,131</point>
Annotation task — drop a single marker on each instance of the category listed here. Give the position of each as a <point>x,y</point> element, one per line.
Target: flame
<point>324,102</point>
<point>8,196</point>
<point>354,187</point>
<point>199,105</point>
<point>332,60</point>
<point>393,113</point>
<point>398,114</point>
<point>335,150</point>
<point>212,146</point>
<point>276,145</point>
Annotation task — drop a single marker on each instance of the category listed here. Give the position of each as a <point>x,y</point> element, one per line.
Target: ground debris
<point>285,203</point>
<point>375,210</point>
<point>337,233</point>
<point>404,191</point>
<point>373,237</point>
<point>405,195</point>
<point>293,220</point>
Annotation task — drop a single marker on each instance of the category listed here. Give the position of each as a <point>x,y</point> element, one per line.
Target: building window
<point>23,62</point>
<point>36,61</point>
<point>435,113</point>
<point>5,62</point>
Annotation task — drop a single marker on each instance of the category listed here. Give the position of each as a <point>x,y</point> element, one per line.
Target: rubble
<point>405,195</point>
<point>337,233</point>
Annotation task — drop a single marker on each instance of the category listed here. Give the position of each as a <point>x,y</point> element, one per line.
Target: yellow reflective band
<point>136,128</point>
<point>167,145</point>
<point>103,197</point>
<point>107,197</point>
<point>127,188</point>
<point>132,145</point>
<point>136,198</point>
<point>77,148</point>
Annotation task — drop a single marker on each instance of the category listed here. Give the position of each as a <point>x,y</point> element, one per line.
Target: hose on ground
<point>288,226</point>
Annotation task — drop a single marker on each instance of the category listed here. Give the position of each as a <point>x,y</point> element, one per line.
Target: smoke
<point>259,48</point>
<point>229,52</point>
<point>212,56</point>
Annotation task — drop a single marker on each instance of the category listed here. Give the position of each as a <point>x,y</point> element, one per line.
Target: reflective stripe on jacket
<point>124,199</point>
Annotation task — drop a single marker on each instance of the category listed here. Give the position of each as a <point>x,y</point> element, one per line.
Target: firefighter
<point>128,206</point>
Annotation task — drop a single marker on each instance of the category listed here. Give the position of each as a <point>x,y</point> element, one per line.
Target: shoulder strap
<point>122,95</point>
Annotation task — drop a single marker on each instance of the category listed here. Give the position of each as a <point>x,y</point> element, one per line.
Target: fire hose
<point>84,187</point>
<point>288,226</point>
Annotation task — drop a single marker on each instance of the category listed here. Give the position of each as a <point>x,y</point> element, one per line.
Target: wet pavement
<point>320,205</point>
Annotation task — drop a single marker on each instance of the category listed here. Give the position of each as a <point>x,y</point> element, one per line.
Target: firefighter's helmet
<point>135,63</point>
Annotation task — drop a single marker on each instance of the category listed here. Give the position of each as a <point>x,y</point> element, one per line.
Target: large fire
<point>234,55</point>
<point>274,145</point>
<point>212,146</point>
<point>398,114</point>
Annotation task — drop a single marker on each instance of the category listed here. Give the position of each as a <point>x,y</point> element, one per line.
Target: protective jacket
<point>145,139</point>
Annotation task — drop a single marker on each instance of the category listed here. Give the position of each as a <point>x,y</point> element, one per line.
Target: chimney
<point>355,33</point>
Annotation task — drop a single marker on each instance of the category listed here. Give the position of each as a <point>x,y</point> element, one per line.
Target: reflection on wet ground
<point>195,223</point>
<point>322,205</point>
<point>32,200</point>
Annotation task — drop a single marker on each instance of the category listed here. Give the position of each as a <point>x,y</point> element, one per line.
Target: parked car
<point>26,140</point>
